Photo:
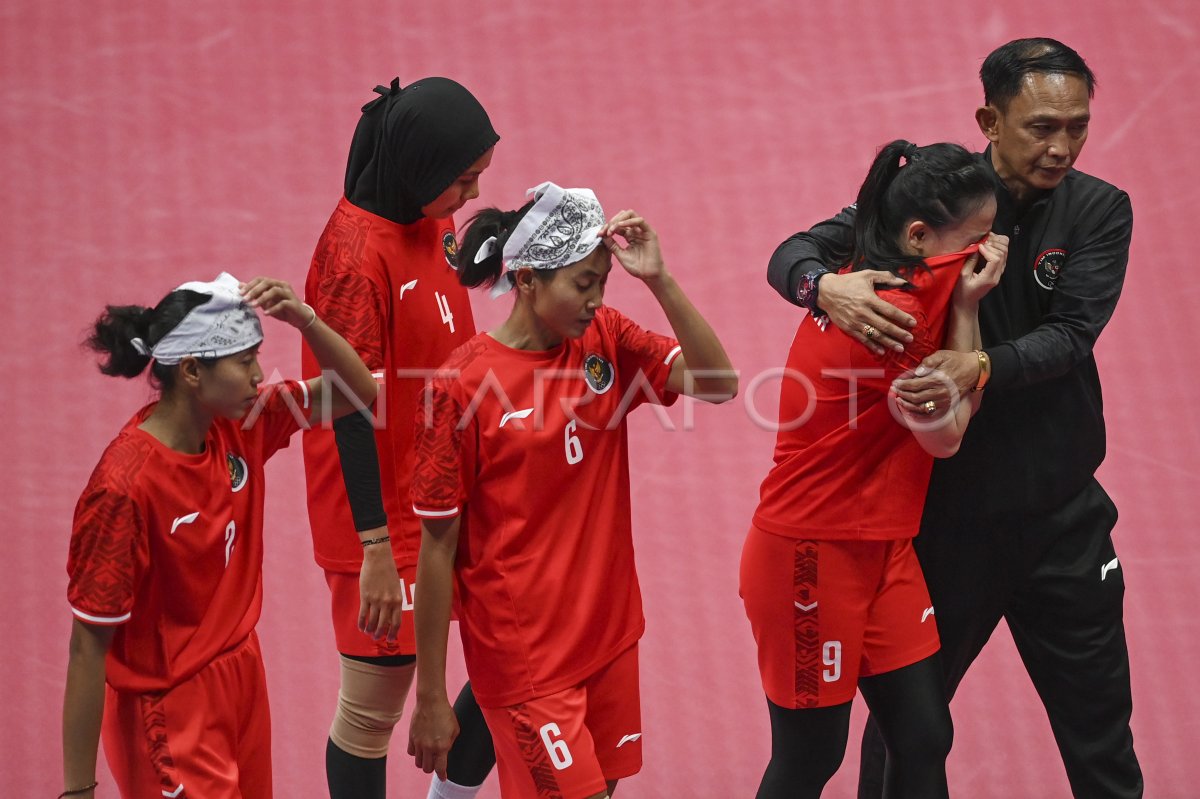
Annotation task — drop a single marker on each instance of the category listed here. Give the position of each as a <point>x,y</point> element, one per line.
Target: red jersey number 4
<point>444,309</point>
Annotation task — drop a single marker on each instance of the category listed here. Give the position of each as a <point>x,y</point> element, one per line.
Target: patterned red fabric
<point>533,445</point>
<point>845,468</point>
<point>392,291</point>
<point>169,545</point>
<point>826,613</point>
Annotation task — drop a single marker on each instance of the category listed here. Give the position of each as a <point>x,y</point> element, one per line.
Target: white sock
<point>444,789</point>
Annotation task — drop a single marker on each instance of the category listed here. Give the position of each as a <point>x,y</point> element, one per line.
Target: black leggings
<point>807,746</point>
<point>472,755</point>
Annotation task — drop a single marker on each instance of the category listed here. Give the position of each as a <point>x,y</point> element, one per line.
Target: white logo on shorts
<point>629,739</point>
<point>1107,567</point>
<point>928,612</point>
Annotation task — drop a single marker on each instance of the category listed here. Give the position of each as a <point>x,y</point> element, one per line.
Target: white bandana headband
<point>558,230</point>
<point>222,326</point>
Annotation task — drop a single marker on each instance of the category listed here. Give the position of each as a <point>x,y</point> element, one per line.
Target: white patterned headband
<point>222,326</point>
<point>558,230</point>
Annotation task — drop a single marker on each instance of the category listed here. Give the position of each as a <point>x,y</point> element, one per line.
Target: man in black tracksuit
<point>1015,525</point>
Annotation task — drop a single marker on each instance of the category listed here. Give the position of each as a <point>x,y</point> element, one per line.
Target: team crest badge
<point>450,247</point>
<point>1047,266</point>
<point>238,471</point>
<point>598,372</point>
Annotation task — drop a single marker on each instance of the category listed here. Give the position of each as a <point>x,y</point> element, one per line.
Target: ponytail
<point>113,334</point>
<point>114,331</point>
<point>939,184</point>
<point>484,225</point>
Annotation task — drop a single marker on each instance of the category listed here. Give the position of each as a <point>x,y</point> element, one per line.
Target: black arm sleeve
<point>1084,300</point>
<point>827,245</point>
<point>360,470</point>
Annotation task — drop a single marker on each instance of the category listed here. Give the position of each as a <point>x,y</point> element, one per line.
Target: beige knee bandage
<point>370,702</point>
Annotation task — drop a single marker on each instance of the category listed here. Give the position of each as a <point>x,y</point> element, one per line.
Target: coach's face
<point>1038,136</point>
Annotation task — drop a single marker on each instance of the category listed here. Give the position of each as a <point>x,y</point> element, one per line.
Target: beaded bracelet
<point>371,541</point>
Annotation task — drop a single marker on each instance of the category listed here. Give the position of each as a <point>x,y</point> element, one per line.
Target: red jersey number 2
<point>230,534</point>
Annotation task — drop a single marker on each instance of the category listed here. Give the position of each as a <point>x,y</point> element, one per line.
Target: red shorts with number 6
<point>570,744</point>
<point>825,613</point>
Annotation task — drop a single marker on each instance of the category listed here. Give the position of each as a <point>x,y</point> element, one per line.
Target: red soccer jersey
<point>846,468</point>
<point>392,291</point>
<point>169,545</point>
<point>533,445</point>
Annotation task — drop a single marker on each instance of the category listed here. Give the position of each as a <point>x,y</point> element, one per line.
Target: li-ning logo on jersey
<point>1047,266</point>
<point>450,247</point>
<point>238,472</point>
<point>598,372</point>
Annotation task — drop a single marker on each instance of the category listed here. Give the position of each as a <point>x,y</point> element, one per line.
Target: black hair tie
<point>910,152</point>
<point>384,93</point>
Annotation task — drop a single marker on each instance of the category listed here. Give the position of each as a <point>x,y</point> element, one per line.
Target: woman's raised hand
<point>640,254</point>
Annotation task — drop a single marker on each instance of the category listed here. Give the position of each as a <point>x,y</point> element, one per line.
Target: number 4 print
<point>444,309</point>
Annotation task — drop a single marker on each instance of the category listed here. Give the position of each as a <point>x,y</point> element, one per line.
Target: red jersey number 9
<point>831,656</point>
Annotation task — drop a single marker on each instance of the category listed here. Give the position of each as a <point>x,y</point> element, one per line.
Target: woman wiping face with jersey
<point>832,587</point>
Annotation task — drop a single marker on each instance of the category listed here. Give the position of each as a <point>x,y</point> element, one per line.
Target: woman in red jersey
<point>832,588</point>
<point>522,483</point>
<point>383,275</point>
<point>166,552</point>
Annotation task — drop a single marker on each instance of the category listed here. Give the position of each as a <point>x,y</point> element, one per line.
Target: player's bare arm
<point>381,596</point>
<point>703,370</point>
<point>434,725</point>
<point>354,388</point>
<point>939,424</point>
<point>950,373</point>
<point>83,705</point>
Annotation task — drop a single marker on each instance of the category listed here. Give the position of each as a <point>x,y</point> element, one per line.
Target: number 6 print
<point>560,755</point>
<point>572,443</point>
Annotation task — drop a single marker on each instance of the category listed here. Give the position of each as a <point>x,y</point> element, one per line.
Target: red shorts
<point>570,744</point>
<point>825,613</point>
<point>209,737</point>
<point>346,601</point>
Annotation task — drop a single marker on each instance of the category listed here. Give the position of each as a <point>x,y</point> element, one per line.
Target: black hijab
<point>412,143</point>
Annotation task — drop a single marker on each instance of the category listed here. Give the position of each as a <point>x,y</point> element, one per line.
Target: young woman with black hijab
<point>384,276</point>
